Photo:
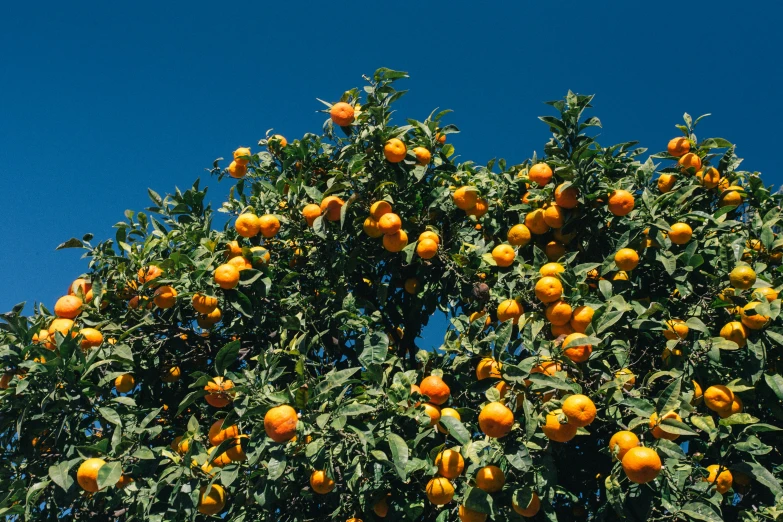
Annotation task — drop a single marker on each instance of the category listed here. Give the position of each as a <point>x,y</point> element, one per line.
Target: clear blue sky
<point>100,100</point>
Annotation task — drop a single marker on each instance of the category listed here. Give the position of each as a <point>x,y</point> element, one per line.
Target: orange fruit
<point>310,212</point>
<point>87,474</point>
<point>172,374</point>
<point>496,420</point>
<point>260,256</point>
<point>540,173</point>
<point>439,491</point>
<point>433,412</point>
<point>532,508</point>
<point>554,250</point>
<point>434,388</point>
<point>233,249</point>
<point>503,255</point>
<point>396,241</point>
<point>447,412</point>
<point>395,150</point>
<point>578,353</point>
<point>579,410</point>
<point>678,147</point>
<point>736,407</point>
<point>556,431</point>
<point>242,155</point>
<point>536,223</point>
<point>488,367</point>
<point>91,338</point>
<point>165,297</point>
<point>742,277</point>
<point>465,198</point>
<point>423,156</point>
<point>509,309</point>
<point>558,313</point>
<point>61,325</point>
<point>389,223</point>
<point>217,433</point>
<point>680,233</point>
<point>203,304</point>
<point>622,442</point>
<point>709,178</point>
<point>628,378</point>
<point>449,463</point>
<point>212,502</point>
<point>240,263</point>
<point>689,161</point>
<point>641,465</point>
<point>82,288</point>
<point>666,183</point>
<point>219,392</point>
<point>370,228</point>
<point>768,293</point>
<point>280,423</point>
<point>731,196</point>
<point>566,197</point>
<point>563,329</point>
<point>718,398</point>
<point>412,285</point>
<point>490,478</point>
<point>581,318</point>
<point>379,208</point>
<point>626,259</point>
<point>147,274</point>
<point>235,170</point>
<point>426,248</point>
<point>342,114</point>
<point>269,225</point>
<point>123,482</point>
<point>554,216</point>
<point>210,319</point>
<point>479,209</point>
<point>676,329</point>
<point>656,429</point>
<point>226,276</point>
<point>551,269</point>
<point>68,306</point>
<point>381,508</point>
<point>124,383</point>
<point>440,138</point>
<point>549,289</point>
<point>278,140</point>
<point>428,234</point>
<point>468,515</point>
<point>331,207</point>
<point>247,225</point>
<point>621,202</point>
<point>519,235</point>
<point>755,321</point>
<point>722,481</point>
<point>735,331</point>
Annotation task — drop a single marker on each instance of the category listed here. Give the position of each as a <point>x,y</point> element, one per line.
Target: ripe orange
<point>676,329</point>
<point>656,429</point>
<point>579,410</point>
<point>82,288</point>
<point>678,147</point>
<point>503,255</point>
<point>423,156</point>
<point>331,206</point>
<point>519,235</point>
<point>718,398</point>
<point>269,225</point>
<point>509,309</point>
<point>554,250</point>
<point>240,263</point>
<point>626,259</point>
<point>578,353</point>
<point>412,285</point>
<point>226,276</point>
<point>641,465</point>
<point>260,256</point>
<point>210,319</point>
<point>556,431</point>
<point>488,367</point>
<point>172,374</point>
<point>731,196</point>
<point>278,140</point>
<point>621,202</point>
<point>219,392</point>
<point>124,383</point>
<point>736,407</point>
<point>310,212</point>
<point>536,223</point>
<point>755,321</point>
<point>479,209</point>
<point>389,223</point>
<point>465,198</point>
<point>735,331</point>
<point>165,297</point>
<point>689,161</point>
<point>280,423</point>
<point>532,508</point>
<point>551,269</point>
<point>204,304</point>
<point>212,502</point>
<point>447,412</point>
<point>396,241</point>
<point>627,377</point>
<point>395,150</point>
<point>709,178</point>
<point>439,491</point>
<point>490,478</point>
<point>379,208</point>
<point>622,442</point>
<point>242,155</point>
<point>581,318</point>
<point>449,463</point>
<point>61,325</point>
<point>549,289</point>
<point>43,338</point>
<point>91,338</point>
<point>426,248</point>
<point>236,171</point>
<point>147,274</point>
<point>768,293</point>
<point>232,250</point>
<point>440,138</point>
<point>468,515</point>
<point>558,313</point>
<point>218,433</point>
<point>554,216</point>
<point>433,411</point>
<point>68,306</point>
<point>428,234</point>
<point>247,225</point>
<point>496,420</point>
<point>666,182</point>
<point>87,474</point>
<point>558,330</point>
<point>434,388</point>
<point>566,197</point>
<point>370,228</point>
<point>722,481</point>
<point>680,233</point>
<point>342,114</point>
<point>742,277</point>
<point>540,173</point>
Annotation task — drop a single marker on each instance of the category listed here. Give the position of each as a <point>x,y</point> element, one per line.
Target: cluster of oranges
<point>382,222</point>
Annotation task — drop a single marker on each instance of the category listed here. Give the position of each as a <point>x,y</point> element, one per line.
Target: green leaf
<point>738,418</point>
<point>109,474</point>
<point>775,383</point>
<point>478,500</point>
<point>276,465</point>
<point>399,451</point>
<point>376,348</point>
<point>226,356</point>
<point>761,474</point>
<point>356,408</point>
<point>110,415</point>
<point>701,511</point>
<point>675,426</point>
<point>669,399</point>
<point>456,429</point>
<point>334,379</point>
<point>59,473</point>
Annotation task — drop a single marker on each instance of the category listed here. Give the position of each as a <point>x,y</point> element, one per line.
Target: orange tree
<point>613,349</point>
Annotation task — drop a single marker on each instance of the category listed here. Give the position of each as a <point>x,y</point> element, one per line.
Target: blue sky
<point>101,100</point>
